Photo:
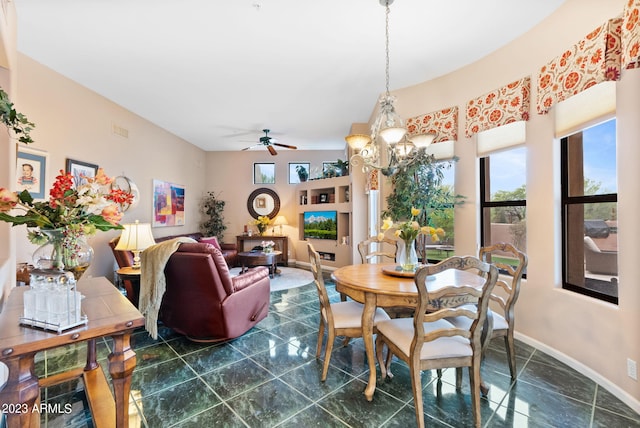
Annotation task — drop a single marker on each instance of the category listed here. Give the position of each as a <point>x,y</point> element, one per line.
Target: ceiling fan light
<point>357,141</point>
<point>422,141</point>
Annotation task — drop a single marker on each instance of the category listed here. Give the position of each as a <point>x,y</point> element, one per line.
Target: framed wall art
<point>299,172</point>
<point>168,204</point>
<point>264,173</point>
<point>81,171</point>
<point>31,171</point>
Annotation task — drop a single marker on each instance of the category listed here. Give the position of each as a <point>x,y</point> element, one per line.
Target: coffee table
<point>248,259</point>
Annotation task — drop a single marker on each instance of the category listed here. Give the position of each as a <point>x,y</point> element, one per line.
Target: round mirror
<point>263,201</point>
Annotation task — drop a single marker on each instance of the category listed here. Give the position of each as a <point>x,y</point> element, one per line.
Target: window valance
<point>443,123</point>
<point>594,59</point>
<point>631,35</point>
<point>500,107</point>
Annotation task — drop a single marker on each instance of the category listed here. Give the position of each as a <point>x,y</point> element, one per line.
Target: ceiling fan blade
<point>272,150</point>
<point>285,146</point>
<point>251,147</point>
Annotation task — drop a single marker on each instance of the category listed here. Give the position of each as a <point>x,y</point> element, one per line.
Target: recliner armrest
<point>249,278</point>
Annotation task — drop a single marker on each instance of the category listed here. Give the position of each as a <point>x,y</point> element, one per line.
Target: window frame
<point>566,202</point>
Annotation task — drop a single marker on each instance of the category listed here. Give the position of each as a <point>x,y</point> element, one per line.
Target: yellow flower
<point>380,236</point>
<point>397,233</point>
<point>387,224</point>
<point>414,211</point>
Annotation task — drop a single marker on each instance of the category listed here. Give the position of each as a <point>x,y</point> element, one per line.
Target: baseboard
<point>614,389</point>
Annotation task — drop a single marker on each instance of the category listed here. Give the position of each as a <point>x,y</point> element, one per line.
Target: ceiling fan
<point>269,142</point>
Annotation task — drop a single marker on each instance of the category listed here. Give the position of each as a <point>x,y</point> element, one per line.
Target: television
<point>321,224</point>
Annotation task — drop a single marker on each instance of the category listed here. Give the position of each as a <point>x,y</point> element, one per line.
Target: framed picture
<point>299,172</point>
<point>329,169</point>
<point>261,202</point>
<point>264,173</point>
<point>168,204</point>
<point>324,198</point>
<point>81,171</point>
<point>31,171</point>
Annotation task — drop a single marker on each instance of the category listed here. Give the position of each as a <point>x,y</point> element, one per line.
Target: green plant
<point>212,207</point>
<point>17,122</point>
<point>420,185</point>
<point>303,174</point>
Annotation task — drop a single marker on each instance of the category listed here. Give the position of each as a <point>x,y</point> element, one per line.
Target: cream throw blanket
<point>152,280</point>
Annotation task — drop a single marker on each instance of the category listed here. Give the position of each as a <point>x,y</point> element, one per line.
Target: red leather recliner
<point>202,300</point>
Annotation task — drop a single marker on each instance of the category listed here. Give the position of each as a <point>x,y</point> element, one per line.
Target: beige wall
<point>593,336</point>
<point>230,174</point>
<point>73,122</point>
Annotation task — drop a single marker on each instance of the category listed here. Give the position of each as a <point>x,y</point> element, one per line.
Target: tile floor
<point>270,377</point>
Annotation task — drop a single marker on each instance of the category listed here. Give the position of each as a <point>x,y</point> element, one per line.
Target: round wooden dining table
<point>381,285</point>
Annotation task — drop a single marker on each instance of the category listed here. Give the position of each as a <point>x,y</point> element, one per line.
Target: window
<point>589,212</point>
<point>503,197</point>
<point>444,219</point>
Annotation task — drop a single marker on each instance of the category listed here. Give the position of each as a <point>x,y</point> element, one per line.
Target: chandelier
<point>389,148</point>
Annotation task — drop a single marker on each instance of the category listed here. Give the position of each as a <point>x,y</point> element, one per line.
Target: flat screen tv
<point>321,224</point>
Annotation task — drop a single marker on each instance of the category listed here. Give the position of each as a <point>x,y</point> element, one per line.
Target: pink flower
<point>8,200</point>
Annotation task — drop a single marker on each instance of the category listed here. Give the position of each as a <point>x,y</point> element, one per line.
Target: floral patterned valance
<point>595,59</point>
<point>631,35</point>
<point>500,107</point>
<point>443,123</point>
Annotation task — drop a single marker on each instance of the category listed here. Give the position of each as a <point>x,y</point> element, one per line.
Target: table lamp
<point>279,221</point>
<point>136,237</point>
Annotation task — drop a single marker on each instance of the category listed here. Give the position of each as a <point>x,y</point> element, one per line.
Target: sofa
<point>204,302</point>
<point>125,258</point>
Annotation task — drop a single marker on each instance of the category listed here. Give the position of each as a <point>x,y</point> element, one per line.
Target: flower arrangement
<point>262,222</point>
<point>410,229</point>
<point>89,207</point>
<point>267,246</point>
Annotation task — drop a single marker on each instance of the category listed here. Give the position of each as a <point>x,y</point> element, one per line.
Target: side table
<point>131,280</point>
<point>109,313</point>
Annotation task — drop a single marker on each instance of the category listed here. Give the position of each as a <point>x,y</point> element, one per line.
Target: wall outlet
<point>632,369</point>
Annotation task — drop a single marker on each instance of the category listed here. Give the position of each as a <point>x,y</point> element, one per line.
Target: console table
<point>109,313</point>
<point>281,241</point>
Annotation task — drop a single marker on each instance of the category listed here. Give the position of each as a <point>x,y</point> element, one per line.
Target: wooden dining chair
<point>367,255</point>
<point>511,262</point>
<point>338,319</point>
<point>428,341</point>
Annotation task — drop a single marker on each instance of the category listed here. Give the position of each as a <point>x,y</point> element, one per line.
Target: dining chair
<point>513,263</point>
<point>428,341</point>
<point>367,255</point>
<point>338,319</point>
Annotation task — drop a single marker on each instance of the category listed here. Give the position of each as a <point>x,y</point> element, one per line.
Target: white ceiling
<point>217,72</point>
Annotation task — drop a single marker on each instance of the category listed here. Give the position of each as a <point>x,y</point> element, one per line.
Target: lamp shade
<point>135,237</point>
<point>280,220</point>
<point>357,141</point>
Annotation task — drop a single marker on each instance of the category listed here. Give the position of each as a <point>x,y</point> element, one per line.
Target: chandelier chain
<point>387,46</point>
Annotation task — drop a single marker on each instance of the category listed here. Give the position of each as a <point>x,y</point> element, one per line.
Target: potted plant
<point>303,174</point>
<point>211,206</point>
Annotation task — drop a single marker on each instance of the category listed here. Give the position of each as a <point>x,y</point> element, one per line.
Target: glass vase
<point>262,228</point>
<point>64,250</point>
<point>407,257</point>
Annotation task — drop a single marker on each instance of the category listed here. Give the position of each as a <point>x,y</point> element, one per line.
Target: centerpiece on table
<point>262,222</point>
<point>267,246</point>
<point>407,232</point>
<point>62,224</point>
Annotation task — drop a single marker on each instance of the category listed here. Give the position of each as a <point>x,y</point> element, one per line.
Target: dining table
<point>385,285</point>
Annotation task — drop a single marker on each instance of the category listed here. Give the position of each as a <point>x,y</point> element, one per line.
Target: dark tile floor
<point>270,377</point>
